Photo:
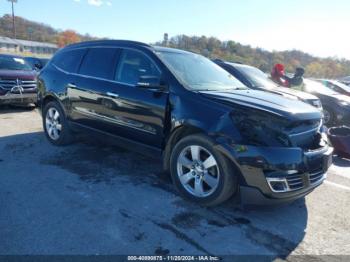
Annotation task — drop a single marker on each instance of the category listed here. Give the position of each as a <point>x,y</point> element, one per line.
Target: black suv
<point>216,137</point>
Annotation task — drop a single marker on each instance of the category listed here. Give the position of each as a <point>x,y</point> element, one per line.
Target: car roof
<point>31,58</point>
<point>124,43</point>
<point>170,50</point>
<point>234,64</point>
<point>106,43</point>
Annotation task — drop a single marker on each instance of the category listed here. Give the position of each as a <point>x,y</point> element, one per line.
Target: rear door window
<point>99,62</point>
<point>69,60</point>
<point>134,64</point>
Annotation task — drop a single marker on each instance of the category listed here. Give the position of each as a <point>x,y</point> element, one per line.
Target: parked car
<point>36,63</point>
<point>345,80</point>
<point>256,79</point>
<point>17,81</point>
<point>336,86</point>
<point>336,107</point>
<point>216,137</point>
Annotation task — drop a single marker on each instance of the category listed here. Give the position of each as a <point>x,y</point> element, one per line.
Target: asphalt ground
<point>91,198</point>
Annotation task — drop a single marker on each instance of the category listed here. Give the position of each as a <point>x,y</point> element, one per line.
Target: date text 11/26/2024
<point>173,258</point>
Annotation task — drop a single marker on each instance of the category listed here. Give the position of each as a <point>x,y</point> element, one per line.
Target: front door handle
<point>71,85</point>
<point>112,95</point>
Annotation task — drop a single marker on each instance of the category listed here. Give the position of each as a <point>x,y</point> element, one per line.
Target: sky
<point>316,27</point>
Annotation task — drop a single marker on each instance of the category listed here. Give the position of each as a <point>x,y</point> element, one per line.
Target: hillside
<point>236,52</point>
<point>208,46</point>
<point>29,30</point>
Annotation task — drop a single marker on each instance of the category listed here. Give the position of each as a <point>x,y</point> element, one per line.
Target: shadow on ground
<point>341,162</point>
<point>5,109</point>
<point>210,231</point>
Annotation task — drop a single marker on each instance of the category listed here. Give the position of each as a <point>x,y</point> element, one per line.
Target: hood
<point>299,94</point>
<point>265,101</point>
<point>21,74</point>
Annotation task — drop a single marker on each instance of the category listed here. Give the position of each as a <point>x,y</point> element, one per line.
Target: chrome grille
<point>295,182</point>
<point>8,84</point>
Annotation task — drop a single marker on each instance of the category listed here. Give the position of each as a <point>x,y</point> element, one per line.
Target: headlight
<point>260,128</point>
<point>316,103</point>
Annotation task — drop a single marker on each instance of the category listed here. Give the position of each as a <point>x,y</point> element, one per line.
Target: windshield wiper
<point>222,90</point>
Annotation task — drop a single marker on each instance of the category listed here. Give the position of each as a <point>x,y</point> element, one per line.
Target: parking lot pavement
<point>96,199</point>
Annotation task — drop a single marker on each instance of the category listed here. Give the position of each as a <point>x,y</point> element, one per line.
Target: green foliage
<point>265,60</point>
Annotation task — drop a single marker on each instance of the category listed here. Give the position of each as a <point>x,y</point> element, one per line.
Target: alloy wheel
<point>327,116</point>
<point>53,123</point>
<point>198,171</point>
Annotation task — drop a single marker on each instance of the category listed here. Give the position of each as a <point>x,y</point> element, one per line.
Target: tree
<point>212,47</point>
<point>67,37</point>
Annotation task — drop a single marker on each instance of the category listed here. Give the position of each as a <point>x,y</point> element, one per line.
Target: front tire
<point>329,117</point>
<point>55,124</point>
<point>200,173</point>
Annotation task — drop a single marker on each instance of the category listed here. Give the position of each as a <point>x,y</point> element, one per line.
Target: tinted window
<point>133,65</point>
<point>69,60</point>
<point>99,62</point>
<point>199,73</point>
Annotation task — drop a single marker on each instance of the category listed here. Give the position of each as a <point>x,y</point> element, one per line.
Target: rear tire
<point>55,124</point>
<point>200,173</point>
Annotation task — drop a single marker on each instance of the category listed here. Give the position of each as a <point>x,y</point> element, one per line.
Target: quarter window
<point>133,65</point>
<point>99,62</point>
<point>70,60</point>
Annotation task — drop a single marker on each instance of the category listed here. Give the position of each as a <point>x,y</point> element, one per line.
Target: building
<point>7,44</point>
<point>24,46</point>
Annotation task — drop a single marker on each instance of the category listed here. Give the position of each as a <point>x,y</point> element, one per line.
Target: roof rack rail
<point>108,42</point>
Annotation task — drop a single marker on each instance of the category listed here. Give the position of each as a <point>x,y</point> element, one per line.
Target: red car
<point>17,81</point>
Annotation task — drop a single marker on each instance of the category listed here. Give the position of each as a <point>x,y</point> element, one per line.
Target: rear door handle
<point>112,95</point>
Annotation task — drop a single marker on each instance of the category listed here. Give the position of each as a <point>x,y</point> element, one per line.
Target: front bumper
<point>24,98</point>
<point>261,167</point>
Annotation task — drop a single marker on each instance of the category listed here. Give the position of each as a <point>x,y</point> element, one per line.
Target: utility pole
<point>13,17</point>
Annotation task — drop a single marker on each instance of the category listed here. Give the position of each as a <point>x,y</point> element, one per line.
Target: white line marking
<point>337,185</point>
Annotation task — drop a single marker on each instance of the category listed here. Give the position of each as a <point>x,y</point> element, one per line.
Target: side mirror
<point>151,82</point>
<point>38,66</point>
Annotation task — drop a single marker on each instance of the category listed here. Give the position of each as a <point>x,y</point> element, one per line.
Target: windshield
<point>316,87</point>
<point>14,63</point>
<point>257,77</point>
<point>341,85</point>
<point>199,73</point>
<point>31,61</point>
